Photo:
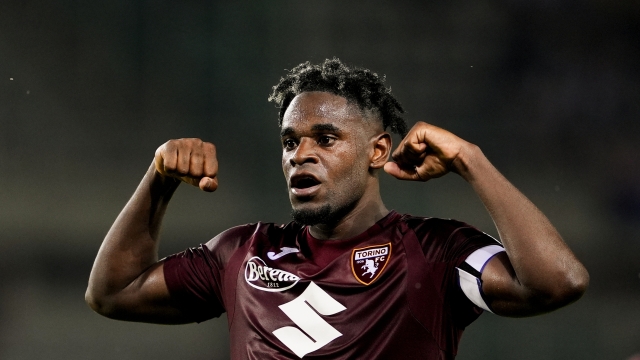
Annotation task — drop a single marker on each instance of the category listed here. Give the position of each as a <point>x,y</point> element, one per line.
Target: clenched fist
<point>428,152</point>
<point>190,160</point>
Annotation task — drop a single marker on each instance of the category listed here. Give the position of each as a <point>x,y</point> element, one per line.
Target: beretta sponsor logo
<point>265,278</point>
<point>367,263</point>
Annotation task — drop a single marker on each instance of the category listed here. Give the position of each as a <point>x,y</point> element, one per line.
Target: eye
<point>325,140</point>
<point>289,144</point>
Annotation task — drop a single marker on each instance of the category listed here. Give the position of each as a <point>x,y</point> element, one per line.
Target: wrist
<point>161,184</point>
<point>468,161</point>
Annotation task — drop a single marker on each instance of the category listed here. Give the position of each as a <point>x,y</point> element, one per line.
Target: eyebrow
<point>286,131</point>
<point>325,127</point>
<point>315,128</point>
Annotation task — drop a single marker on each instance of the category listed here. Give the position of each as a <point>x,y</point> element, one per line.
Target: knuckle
<point>194,142</point>
<point>172,144</point>
<point>182,143</point>
<point>163,149</point>
<point>417,127</point>
<point>208,147</point>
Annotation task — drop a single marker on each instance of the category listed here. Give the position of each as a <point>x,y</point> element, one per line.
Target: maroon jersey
<point>391,292</point>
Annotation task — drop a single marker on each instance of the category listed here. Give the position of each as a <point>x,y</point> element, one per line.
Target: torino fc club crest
<point>367,263</point>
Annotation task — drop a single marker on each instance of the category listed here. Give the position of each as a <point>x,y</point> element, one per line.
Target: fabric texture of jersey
<point>391,292</point>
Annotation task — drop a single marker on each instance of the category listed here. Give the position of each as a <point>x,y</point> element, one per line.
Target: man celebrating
<point>347,279</point>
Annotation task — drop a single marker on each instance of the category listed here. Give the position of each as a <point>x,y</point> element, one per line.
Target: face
<point>327,151</point>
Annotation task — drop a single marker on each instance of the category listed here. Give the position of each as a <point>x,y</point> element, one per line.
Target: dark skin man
<point>342,148</point>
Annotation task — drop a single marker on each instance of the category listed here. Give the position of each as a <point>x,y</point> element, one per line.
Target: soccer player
<point>347,278</point>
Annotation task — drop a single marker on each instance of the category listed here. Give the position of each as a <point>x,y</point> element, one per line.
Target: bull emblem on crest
<point>371,267</point>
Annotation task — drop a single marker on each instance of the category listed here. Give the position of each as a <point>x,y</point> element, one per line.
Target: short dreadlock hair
<point>357,85</point>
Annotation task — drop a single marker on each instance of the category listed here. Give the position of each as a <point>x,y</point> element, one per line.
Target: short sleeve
<point>471,250</point>
<point>450,241</point>
<point>193,280</point>
<point>464,241</point>
<point>446,245</point>
<point>195,277</point>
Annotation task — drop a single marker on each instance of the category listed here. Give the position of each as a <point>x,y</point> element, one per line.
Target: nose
<point>305,152</point>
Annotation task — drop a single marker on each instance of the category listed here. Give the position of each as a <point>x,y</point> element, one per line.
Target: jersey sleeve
<point>460,252</point>
<point>450,241</point>
<point>194,277</point>
<point>470,249</point>
<point>193,281</point>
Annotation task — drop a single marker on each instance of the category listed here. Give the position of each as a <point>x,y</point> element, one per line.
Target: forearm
<point>544,265</point>
<point>131,245</point>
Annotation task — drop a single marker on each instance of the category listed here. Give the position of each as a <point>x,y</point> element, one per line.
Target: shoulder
<point>437,227</point>
<point>446,239</point>
<point>225,243</point>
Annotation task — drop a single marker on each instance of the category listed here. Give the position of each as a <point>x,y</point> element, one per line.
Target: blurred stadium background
<point>550,90</point>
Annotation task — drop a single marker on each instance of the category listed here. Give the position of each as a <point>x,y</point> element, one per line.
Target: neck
<point>368,211</point>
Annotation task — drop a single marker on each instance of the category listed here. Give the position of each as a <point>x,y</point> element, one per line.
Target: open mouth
<point>304,182</point>
<point>304,185</point>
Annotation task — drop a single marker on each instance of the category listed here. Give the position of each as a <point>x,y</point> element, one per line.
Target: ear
<point>381,150</point>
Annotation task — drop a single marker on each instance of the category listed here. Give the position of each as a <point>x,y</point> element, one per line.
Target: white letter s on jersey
<point>300,312</point>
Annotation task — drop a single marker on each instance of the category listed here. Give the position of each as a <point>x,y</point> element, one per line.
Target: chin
<point>312,214</point>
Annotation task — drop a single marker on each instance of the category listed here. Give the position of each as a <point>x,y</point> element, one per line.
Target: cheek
<point>350,171</point>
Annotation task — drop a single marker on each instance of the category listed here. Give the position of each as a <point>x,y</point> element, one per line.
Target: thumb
<point>396,171</point>
<point>392,168</point>
<point>208,184</point>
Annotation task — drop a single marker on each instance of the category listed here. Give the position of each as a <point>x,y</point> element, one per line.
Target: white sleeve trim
<point>470,284</point>
<point>479,258</point>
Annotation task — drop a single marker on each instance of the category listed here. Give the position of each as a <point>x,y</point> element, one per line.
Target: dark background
<point>550,90</point>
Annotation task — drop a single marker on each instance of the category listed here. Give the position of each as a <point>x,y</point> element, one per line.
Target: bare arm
<point>127,281</point>
<point>539,273</point>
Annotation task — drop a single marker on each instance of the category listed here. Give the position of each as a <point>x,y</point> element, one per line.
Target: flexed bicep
<point>146,299</point>
<point>127,280</point>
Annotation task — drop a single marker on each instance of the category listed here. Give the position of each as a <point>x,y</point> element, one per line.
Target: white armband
<point>469,279</point>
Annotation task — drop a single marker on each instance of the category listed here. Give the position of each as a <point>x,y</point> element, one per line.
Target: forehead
<point>309,108</point>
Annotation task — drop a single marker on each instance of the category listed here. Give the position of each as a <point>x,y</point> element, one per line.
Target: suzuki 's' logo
<point>263,277</point>
<point>368,263</point>
<point>305,311</point>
